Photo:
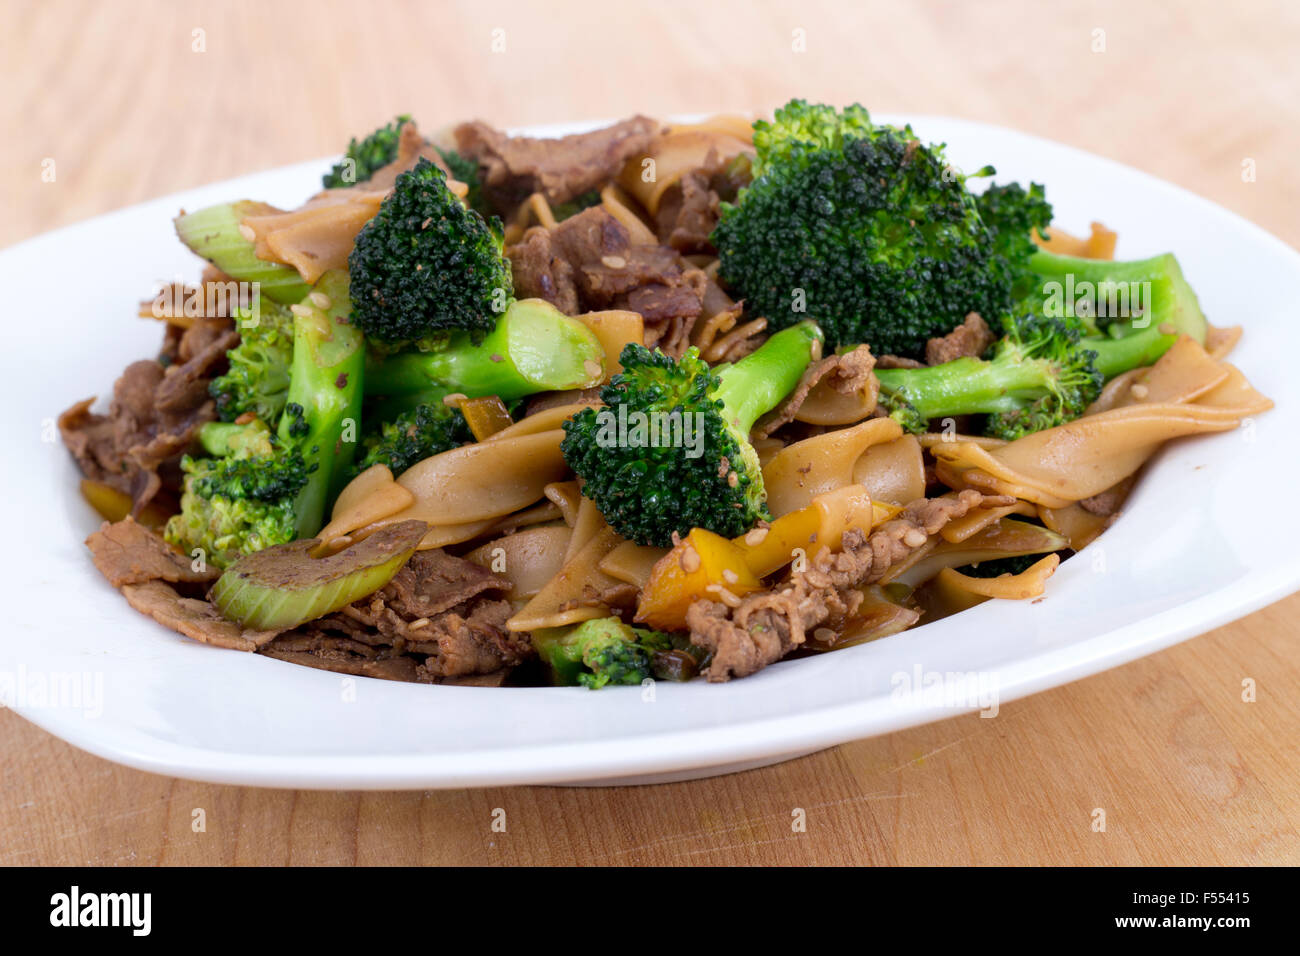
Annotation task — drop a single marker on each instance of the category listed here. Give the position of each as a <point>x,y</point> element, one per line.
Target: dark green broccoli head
<point>1070,379</point>
<point>257,380</point>
<point>710,479</point>
<point>466,170</point>
<point>861,227</point>
<point>1013,213</point>
<point>363,158</point>
<point>567,210</point>
<point>425,265</point>
<point>420,433</point>
<point>602,652</point>
<point>800,125</point>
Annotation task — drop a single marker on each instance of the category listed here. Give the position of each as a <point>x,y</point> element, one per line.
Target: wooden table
<point>134,100</point>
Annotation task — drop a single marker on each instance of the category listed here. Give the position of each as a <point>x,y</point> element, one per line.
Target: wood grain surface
<point>135,100</point>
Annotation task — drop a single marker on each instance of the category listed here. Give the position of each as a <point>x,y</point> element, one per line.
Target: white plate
<point>1190,553</point>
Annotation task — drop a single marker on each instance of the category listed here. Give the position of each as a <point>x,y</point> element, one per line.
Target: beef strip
<point>688,213</point>
<point>969,340</point>
<point>192,617</point>
<point>539,272</point>
<point>514,167</point>
<point>341,655</point>
<point>588,262</point>
<point>154,417</point>
<point>746,634</point>
<point>127,552</point>
<point>437,613</point>
<point>897,361</point>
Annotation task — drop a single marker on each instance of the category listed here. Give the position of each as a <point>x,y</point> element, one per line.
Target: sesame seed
<point>320,300</point>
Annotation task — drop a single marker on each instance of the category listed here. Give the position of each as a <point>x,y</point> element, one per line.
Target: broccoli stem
<point>222,439</point>
<point>323,411</point>
<point>1169,307</point>
<point>213,233</point>
<point>966,386</point>
<point>757,383</point>
<point>534,348</point>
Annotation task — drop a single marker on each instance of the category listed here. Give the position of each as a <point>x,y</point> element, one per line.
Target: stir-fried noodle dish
<point>651,402</point>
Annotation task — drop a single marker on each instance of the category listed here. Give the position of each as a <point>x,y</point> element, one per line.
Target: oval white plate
<point>1190,552</point>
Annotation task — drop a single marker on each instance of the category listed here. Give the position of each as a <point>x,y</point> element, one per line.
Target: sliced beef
<point>539,273</point>
<point>515,167</point>
<point>688,213</point>
<point>897,361</point>
<point>440,613</point>
<point>192,617</point>
<point>127,552</point>
<point>154,417</point>
<point>746,634</point>
<point>342,655</point>
<point>971,339</point>
<point>588,262</point>
<point>434,581</point>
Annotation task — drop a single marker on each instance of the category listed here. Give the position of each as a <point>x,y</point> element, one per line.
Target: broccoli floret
<point>800,125</point>
<point>425,265</point>
<point>466,170</point>
<point>577,204</point>
<point>258,378</point>
<point>363,158</point>
<point>242,499</point>
<point>426,430</point>
<point>670,450</point>
<point>1092,319</point>
<point>600,652</point>
<point>864,228</point>
<point>1037,376</point>
<point>258,489</point>
<point>1131,312</point>
<point>1013,213</point>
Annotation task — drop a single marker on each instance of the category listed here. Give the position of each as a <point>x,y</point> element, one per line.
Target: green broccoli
<point>257,488</point>
<point>258,378</point>
<point>1038,376</point>
<point>1131,312</point>
<point>1091,320</point>
<point>707,475</point>
<point>567,210</point>
<point>424,431</point>
<point>465,169</point>
<point>426,266</point>
<point>533,348</point>
<point>214,233</point>
<point>600,652</point>
<point>1013,213</point>
<point>362,159</point>
<point>864,228</point>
